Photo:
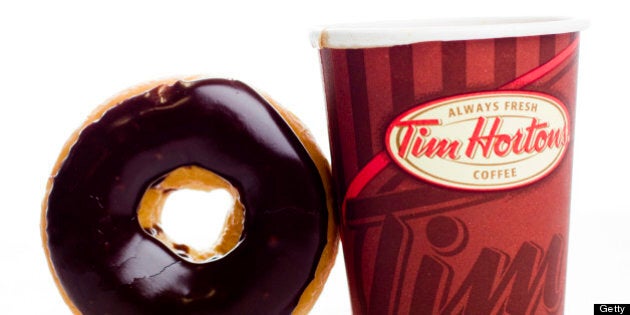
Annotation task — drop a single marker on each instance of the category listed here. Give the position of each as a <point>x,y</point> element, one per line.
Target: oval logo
<point>481,141</point>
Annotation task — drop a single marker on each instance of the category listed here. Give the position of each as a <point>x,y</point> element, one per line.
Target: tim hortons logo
<point>481,141</point>
<point>496,283</point>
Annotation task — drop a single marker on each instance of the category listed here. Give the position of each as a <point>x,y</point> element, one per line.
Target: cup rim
<point>391,33</point>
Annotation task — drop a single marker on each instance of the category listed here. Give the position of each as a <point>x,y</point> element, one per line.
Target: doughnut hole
<point>195,217</point>
<point>189,209</point>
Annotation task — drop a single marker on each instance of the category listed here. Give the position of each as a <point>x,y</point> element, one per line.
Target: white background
<point>60,59</point>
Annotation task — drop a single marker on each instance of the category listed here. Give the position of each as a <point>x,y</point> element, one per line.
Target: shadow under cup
<point>451,148</point>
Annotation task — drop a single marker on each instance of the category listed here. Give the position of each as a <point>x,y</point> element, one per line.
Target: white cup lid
<point>382,34</point>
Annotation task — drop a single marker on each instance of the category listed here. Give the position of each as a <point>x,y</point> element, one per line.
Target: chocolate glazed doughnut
<point>105,261</point>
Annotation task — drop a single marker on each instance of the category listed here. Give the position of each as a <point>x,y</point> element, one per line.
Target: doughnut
<point>101,213</point>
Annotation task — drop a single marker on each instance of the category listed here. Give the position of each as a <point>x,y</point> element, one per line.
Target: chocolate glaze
<point>104,260</point>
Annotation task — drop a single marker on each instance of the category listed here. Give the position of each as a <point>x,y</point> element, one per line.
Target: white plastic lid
<point>382,34</point>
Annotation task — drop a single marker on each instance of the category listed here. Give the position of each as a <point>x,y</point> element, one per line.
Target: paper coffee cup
<point>451,145</point>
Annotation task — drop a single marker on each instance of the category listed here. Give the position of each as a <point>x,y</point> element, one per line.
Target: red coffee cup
<point>451,148</point>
